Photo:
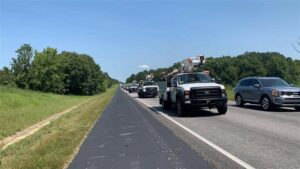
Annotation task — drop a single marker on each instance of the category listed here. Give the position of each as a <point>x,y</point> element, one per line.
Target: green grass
<point>230,92</point>
<point>22,108</point>
<point>54,145</point>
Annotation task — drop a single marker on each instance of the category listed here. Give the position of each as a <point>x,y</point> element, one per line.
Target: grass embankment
<point>230,92</point>
<point>20,109</point>
<point>54,145</point>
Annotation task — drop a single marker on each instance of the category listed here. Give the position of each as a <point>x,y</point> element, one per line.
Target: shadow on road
<point>258,108</point>
<point>190,113</point>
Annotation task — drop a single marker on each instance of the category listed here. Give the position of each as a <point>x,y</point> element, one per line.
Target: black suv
<point>269,92</point>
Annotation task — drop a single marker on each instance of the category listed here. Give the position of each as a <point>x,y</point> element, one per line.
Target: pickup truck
<point>133,88</point>
<point>192,90</point>
<point>148,89</point>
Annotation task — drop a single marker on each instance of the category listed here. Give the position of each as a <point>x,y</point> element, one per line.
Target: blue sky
<point>121,35</point>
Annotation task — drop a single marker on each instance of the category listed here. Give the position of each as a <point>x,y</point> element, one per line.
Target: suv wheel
<point>266,103</point>
<point>180,110</point>
<point>297,108</point>
<point>239,101</point>
<point>222,109</point>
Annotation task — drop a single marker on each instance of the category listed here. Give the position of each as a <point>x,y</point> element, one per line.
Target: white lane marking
<point>224,152</point>
<point>126,134</point>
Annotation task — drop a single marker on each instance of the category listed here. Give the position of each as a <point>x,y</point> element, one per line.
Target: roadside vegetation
<point>230,69</point>
<point>22,108</point>
<point>55,144</point>
<point>50,71</point>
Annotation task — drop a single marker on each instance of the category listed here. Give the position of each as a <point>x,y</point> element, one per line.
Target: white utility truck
<point>189,89</point>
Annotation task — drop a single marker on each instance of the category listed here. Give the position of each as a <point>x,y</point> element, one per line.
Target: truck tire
<point>222,109</point>
<point>165,104</point>
<point>180,108</point>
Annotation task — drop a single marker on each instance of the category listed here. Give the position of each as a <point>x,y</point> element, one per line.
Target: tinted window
<point>252,82</point>
<point>174,81</point>
<point>244,82</point>
<point>149,83</point>
<point>274,83</point>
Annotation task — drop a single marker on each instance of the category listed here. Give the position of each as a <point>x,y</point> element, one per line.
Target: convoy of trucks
<point>185,89</point>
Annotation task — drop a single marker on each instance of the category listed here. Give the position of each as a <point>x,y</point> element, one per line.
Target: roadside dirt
<point>4,143</point>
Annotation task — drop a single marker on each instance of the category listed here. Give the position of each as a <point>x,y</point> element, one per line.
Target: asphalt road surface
<point>128,136</point>
<point>262,139</point>
<point>137,133</point>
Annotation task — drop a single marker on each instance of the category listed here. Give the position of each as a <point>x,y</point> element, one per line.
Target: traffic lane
<point>127,136</point>
<point>262,139</point>
<point>282,122</point>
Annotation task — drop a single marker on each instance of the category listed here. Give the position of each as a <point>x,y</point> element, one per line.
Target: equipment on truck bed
<point>188,65</point>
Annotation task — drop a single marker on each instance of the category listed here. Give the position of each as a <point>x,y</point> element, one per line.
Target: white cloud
<point>144,66</point>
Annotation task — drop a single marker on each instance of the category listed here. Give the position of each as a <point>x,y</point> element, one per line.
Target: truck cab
<point>148,89</point>
<point>197,90</point>
<point>192,90</point>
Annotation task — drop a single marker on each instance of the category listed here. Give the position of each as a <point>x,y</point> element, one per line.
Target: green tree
<point>44,73</point>
<point>82,75</point>
<point>5,76</point>
<point>21,64</point>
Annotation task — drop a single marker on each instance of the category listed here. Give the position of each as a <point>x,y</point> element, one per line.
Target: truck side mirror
<point>213,80</point>
<point>291,84</point>
<point>219,81</point>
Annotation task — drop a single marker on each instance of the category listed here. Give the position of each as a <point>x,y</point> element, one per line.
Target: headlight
<point>275,93</point>
<point>224,93</point>
<point>144,89</point>
<point>187,94</point>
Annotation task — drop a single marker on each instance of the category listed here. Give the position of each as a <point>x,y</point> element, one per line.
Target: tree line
<point>230,69</point>
<point>50,71</point>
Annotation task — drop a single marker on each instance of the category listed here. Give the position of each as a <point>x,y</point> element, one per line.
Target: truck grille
<point>201,93</point>
<point>151,89</point>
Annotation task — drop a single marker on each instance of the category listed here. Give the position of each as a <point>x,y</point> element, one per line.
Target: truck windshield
<point>274,83</point>
<point>149,84</point>
<point>193,78</point>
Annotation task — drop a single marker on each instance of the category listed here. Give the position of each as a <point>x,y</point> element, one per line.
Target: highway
<point>137,133</point>
<point>261,139</point>
<point>127,136</point>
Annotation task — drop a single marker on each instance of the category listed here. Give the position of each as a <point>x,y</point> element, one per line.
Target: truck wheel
<point>266,103</point>
<point>297,108</point>
<point>165,105</point>
<point>222,109</point>
<point>180,109</point>
<point>239,101</point>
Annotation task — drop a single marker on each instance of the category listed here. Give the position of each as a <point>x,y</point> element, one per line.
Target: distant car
<point>133,88</point>
<point>269,92</point>
<point>148,89</point>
